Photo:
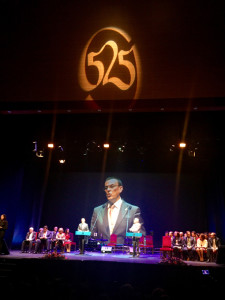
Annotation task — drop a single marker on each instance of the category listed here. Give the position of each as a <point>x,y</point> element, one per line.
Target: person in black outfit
<point>3,228</point>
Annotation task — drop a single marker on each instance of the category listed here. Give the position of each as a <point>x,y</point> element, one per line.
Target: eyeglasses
<point>112,186</point>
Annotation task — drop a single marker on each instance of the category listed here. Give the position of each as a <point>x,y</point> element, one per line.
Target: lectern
<point>81,235</point>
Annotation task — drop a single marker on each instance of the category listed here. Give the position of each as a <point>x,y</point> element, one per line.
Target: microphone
<point>103,206</point>
<point>128,208</point>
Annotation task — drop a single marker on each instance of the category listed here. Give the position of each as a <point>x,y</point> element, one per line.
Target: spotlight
<point>62,161</point>
<point>50,145</point>
<point>182,145</point>
<point>172,148</point>
<point>121,148</point>
<point>106,145</point>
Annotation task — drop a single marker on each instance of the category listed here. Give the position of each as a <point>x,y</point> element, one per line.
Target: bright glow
<point>62,161</point>
<point>118,56</point>
<point>106,145</point>
<point>51,145</point>
<point>182,145</point>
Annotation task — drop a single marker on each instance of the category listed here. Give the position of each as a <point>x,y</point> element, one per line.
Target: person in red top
<point>67,240</point>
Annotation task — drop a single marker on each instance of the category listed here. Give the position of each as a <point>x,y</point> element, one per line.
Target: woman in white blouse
<point>202,245</point>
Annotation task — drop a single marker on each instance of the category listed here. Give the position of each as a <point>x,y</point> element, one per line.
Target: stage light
<point>40,153</point>
<point>172,148</point>
<point>121,148</point>
<point>106,145</point>
<point>50,145</point>
<point>35,146</point>
<point>182,145</point>
<point>191,153</point>
<point>62,161</point>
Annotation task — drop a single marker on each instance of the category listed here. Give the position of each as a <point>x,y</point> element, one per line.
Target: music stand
<point>81,235</point>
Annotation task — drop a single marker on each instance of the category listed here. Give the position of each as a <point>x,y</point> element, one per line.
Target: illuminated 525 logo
<point>110,66</point>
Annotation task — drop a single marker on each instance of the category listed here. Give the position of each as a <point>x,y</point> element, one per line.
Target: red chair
<point>113,241</point>
<point>166,246</point>
<point>146,243</point>
<point>71,243</point>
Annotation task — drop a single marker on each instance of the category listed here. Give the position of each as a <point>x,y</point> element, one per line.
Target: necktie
<point>111,220</point>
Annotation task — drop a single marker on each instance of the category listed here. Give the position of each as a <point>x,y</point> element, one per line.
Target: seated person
<point>60,238</point>
<point>188,246</point>
<point>43,240</point>
<point>213,246</point>
<point>177,244</point>
<point>67,240</point>
<point>201,247</point>
<point>53,238</point>
<point>28,242</point>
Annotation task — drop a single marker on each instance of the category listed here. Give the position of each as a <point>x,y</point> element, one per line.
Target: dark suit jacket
<point>210,242</point>
<point>185,243</point>
<point>33,235</point>
<point>48,236</point>
<point>127,213</point>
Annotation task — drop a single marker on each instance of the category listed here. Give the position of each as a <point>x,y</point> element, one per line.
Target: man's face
<point>113,190</point>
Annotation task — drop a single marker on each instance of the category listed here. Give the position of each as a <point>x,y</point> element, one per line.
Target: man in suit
<point>29,240</point>
<point>188,246</point>
<point>43,240</point>
<point>116,216</point>
<point>213,246</point>
<point>83,226</point>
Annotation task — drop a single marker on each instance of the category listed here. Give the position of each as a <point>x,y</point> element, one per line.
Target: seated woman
<point>201,247</point>
<point>60,238</point>
<point>67,240</point>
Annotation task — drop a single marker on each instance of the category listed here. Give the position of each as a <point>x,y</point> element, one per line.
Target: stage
<point>118,257</point>
<point>93,274</point>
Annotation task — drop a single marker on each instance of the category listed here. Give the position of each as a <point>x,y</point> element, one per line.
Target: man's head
<point>31,229</point>
<point>83,220</point>
<point>113,188</point>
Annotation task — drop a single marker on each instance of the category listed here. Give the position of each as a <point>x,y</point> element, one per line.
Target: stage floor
<point>107,257</point>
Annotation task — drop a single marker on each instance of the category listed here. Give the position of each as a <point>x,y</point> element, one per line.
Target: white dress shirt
<point>113,212</point>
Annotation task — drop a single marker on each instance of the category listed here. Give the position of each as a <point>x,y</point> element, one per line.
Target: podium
<point>82,235</point>
<point>134,234</point>
<point>135,239</point>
